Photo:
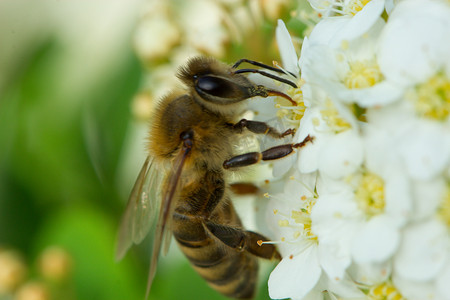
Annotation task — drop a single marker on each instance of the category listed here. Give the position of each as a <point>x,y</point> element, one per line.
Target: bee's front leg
<point>276,152</point>
<point>261,128</point>
<point>243,240</point>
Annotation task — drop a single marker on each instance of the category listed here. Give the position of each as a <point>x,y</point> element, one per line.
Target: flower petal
<point>342,155</point>
<point>427,197</point>
<point>426,149</point>
<point>308,159</point>
<point>415,290</point>
<point>443,288</point>
<point>397,191</point>
<point>295,277</point>
<point>415,33</point>
<point>334,259</point>
<point>423,251</point>
<point>376,241</point>
<point>360,23</point>
<point>286,48</point>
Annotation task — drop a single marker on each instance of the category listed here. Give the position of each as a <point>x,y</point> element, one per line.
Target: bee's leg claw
<point>290,131</point>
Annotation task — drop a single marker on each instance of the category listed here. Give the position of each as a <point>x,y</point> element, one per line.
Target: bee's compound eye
<point>214,86</point>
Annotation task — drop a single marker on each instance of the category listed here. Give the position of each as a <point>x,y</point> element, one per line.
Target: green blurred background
<point>71,145</point>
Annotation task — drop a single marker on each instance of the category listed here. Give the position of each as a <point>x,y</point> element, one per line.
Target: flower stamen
<point>333,119</point>
<point>384,291</point>
<point>362,74</point>
<point>369,194</point>
<point>432,98</point>
<point>354,6</point>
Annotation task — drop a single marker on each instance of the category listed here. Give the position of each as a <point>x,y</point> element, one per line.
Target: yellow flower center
<point>370,194</point>
<point>384,291</point>
<point>362,74</point>
<point>303,216</point>
<point>299,220</point>
<point>432,98</point>
<point>444,209</point>
<point>292,114</point>
<point>355,6</point>
<point>331,116</point>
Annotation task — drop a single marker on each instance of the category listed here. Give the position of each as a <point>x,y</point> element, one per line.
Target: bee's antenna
<point>258,64</point>
<point>275,77</point>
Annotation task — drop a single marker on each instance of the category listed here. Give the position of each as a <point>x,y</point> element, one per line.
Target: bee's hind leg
<point>276,152</point>
<point>243,240</point>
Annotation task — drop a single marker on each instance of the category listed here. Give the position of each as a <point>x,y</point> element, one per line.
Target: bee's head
<point>213,82</point>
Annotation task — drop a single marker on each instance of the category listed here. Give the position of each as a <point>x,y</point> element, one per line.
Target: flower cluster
<point>364,212</point>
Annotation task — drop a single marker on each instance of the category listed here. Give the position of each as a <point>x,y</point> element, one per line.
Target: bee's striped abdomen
<point>227,270</point>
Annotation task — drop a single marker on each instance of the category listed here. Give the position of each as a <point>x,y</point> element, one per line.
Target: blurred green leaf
<point>89,236</point>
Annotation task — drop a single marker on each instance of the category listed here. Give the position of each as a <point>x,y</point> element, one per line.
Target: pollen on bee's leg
<point>278,66</point>
<point>261,242</point>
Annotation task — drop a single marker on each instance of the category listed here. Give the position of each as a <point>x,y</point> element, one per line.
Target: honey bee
<point>182,188</point>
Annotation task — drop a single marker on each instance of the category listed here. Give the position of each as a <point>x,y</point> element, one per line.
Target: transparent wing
<point>163,226</point>
<point>142,208</point>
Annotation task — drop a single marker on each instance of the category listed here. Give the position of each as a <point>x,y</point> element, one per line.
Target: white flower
<point>156,34</point>
<point>289,215</point>
<point>369,201</point>
<point>300,273</point>
<point>348,69</point>
<point>378,206</point>
<point>204,21</point>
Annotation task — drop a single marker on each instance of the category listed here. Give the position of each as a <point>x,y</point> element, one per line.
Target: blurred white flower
<point>156,34</point>
<point>412,49</point>
<point>350,8</point>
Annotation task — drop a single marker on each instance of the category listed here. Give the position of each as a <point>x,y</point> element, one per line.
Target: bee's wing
<point>142,208</point>
<point>166,211</point>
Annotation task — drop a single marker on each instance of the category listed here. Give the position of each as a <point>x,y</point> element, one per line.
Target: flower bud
<point>33,291</point>
<point>12,271</point>
<point>55,263</point>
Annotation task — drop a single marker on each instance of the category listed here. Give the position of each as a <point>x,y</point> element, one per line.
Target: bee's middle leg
<point>276,152</point>
<point>243,240</point>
